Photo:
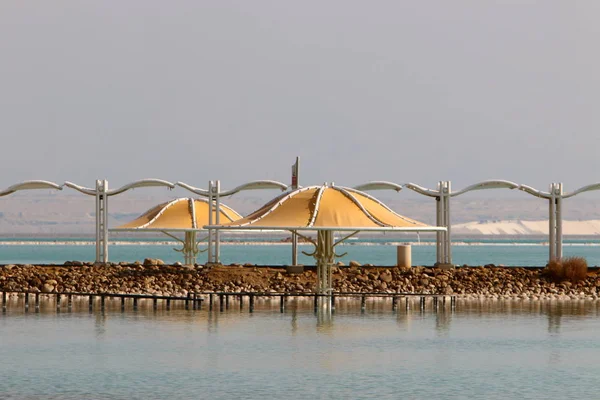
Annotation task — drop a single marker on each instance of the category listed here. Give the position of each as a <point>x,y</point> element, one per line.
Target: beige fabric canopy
<point>326,208</point>
<point>178,215</point>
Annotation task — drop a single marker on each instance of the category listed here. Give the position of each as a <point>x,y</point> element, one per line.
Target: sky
<point>404,91</point>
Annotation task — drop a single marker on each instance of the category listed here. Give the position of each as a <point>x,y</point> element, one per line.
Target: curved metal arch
<point>124,188</point>
<point>383,185</point>
<point>379,185</point>
<point>84,190</point>
<point>422,190</point>
<point>535,192</point>
<point>587,188</point>
<point>261,184</point>
<point>490,184</point>
<point>29,185</point>
<point>141,183</point>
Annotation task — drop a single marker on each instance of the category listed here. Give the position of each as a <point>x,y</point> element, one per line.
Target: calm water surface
<point>483,350</point>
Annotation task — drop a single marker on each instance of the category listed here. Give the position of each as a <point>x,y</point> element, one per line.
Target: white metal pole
<point>98,220</point>
<point>294,186</point>
<point>105,221</point>
<point>217,221</point>
<point>442,222</point>
<point>552,224</point>
<point>448,250</point>
<point>210,221</point>
<point>559,231</point>
<point>438,222</point>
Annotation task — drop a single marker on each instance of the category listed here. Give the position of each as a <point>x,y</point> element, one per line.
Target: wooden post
<point>394,303</point>
<point>199,302</point>
<point>187,302</point>
<point>122,303</point>
<point>155,304</point>
<point>102,299</point>
<point>210,302</point>
<point>168,304</point>
<point>363,303</point>
<point>241,302</point>
<point>422,303</point>
<point>58,298</point>
<point>91,302</point>
<point>227,302</point>
<point>332,301</point>
<point>281,304</point>
<point>221,302</point>
<point>3,301</point>
<point>407,304</point>
<point>193,301</point>
<point>135,301</point>
<point>251,302</point>
<point>37,302</point>
<point>26,301</point>
<point>70,301</point>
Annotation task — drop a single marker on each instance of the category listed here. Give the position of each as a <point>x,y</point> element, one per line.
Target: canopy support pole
<point>325,257</point>
<point>102,221</point>
<point>210,222</point>
<point>552,224</point>
<point>217,194</point>
<point>294,186</point>
<point>447,224</point>
<point>439,221</point>
<point>559,230</point>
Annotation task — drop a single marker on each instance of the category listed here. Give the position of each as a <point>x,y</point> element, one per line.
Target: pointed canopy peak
<point>180,214</point>
<point>326,207</point>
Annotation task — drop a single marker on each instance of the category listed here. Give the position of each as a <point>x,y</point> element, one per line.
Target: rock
<point>354,264</point>
<point>385,276</point>
<point>47,288</point>
<point>51,282</point>
<point>177,264</point>
<point>340,264</point>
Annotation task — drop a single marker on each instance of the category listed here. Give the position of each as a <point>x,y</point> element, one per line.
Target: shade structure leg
<point>325,257</point>
<point>190,248</point>
<point>552,224</point>
<point>102,221</point>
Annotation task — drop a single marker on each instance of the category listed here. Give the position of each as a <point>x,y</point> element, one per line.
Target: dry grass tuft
<point>572,269</point>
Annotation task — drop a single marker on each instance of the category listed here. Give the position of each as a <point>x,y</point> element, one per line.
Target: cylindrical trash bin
<point>404,256</point>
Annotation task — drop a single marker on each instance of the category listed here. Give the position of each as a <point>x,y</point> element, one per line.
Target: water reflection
<point>99,324</point>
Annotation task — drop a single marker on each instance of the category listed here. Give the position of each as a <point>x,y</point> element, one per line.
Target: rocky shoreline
<point>153,277</point>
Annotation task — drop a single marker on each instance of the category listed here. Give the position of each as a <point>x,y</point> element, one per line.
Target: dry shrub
<point>573,269</point>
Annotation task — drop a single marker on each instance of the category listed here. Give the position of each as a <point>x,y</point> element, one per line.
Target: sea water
<point>480,350</point>
<point>523,252</point>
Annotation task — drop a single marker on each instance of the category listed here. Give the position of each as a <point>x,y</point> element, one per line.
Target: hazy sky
<point>416,91</point>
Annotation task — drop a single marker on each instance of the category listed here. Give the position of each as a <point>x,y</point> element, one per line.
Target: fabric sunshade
<point>179,214</point>
<point>325,207</point>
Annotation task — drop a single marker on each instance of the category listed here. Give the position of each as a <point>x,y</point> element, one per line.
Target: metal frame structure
<point>102,193</point>
<point>442,195</point>
<point>214,194</point>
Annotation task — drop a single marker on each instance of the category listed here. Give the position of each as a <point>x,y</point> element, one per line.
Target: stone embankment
<point>155,278</point>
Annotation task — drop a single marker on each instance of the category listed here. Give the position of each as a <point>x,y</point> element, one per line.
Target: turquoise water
<point>511,252</point>
<point>483,350</point>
